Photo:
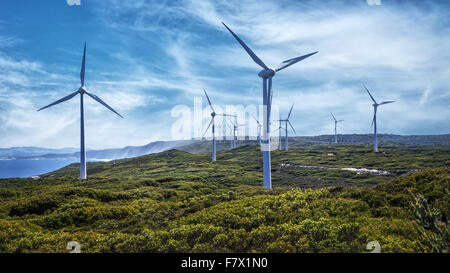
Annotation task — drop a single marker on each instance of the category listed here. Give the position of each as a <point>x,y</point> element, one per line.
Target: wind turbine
<point>82,91</point>
<point>266,74</point>
<point>286,141</point>
<point>213,115</point>
<point>279,134</point>
<point>335,128</point>
<point>374,121</point>
<point>259,129</point>
<point>235,128</point>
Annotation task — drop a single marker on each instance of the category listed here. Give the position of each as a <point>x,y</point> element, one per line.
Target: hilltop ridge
<point>201,146</point>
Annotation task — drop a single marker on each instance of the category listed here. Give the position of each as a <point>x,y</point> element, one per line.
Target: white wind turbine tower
<point>374,121</point>
<point>82,91</point>
<point>234,127</point>
<point>286,141</point>
<point>266,74</point>
<point>335,127</point>
<point>279,133</point>
<point>213,115</point>
<point>259,129</point>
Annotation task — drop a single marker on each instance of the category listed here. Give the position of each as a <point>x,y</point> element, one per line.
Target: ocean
<point>30,167</point>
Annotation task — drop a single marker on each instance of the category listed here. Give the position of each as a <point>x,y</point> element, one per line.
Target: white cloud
<point>400,52</point>
<point>7,41</point>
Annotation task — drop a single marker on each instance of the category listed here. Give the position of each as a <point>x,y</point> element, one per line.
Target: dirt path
<point>357,171</point>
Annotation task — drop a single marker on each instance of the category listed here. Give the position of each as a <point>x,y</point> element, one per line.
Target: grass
<point>176,201</point>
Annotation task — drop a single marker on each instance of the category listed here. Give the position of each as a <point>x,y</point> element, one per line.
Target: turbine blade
<point>290,112</point>
<point>226,115</point>
<point>83,64</point>
<point>291,127</point>
<point>103,103</point>
<point>229,126</point>
<point>209,125</point>
<point>333,117</point>
<point>370,94</point>
<point>340,120</point>
<point>249,51</point>
<point>386,102</point>
<point>256,120</point>
<point>60,100</point>
<point>374,115</point>
<point>269,93</point>
<point>210,105</point>
<point>290,62</point>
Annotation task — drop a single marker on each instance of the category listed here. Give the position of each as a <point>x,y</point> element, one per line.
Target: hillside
<point>296,142</point>
<point>244,164</point>
<point>18,152</point>
<point>382,138</point>
<point>179,202</point>
<point>205,146</point>
<point>115,153</point>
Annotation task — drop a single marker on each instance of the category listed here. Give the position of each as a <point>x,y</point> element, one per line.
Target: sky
<point>146,58</point>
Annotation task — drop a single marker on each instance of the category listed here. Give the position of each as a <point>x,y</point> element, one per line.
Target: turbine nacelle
<point>266,73</point>
<point>82,90</point>
<point>213,114</point>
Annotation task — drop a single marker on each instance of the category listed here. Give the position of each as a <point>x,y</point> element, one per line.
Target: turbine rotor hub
<point>213,114</point>
<point>266,73</point>
<point>82,90</point>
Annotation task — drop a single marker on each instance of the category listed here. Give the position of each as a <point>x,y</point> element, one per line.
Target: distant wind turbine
<point>213,115</point>
<point>82,91</point>
<point>259,129</point>
<point>374,120</point>
<point>286,141</point>
<point>279,129</point>
<point>266,74</point>
<point>234,126</point>
<point>335,128</point>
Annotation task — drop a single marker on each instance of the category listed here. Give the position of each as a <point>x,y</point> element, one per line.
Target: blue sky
<point>145,57</point>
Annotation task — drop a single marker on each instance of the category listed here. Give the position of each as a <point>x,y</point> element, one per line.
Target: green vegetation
<point>179,202</point>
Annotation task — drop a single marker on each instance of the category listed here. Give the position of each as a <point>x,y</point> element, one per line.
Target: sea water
<point>31,167</point>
